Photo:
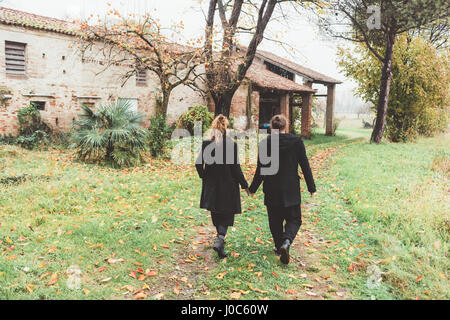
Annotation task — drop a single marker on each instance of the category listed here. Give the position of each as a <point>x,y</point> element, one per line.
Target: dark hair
<point>278,122</point>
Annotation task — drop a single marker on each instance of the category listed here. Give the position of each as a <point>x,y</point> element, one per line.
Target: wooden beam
<point>291,112</point>
<point>307,115</point>
<point>285,109</point>
<point>330,110</point>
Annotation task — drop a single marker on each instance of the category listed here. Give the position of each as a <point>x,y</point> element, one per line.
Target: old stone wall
<point>57,76</point>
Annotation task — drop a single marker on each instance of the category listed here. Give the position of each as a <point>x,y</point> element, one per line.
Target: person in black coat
<point>218,167</point>
<point>282,190</point>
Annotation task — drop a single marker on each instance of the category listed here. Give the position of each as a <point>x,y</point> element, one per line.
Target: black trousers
<point>281,232</point>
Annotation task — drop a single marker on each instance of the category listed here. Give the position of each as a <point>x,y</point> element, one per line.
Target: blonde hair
<point>219,127</point>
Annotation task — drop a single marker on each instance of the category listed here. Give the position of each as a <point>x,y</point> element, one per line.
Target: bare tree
<point>142,43</point>
<point>225,70</point>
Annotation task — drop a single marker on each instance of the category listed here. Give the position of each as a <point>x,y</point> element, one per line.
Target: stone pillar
<point>306,114</point>
<point>329,117</point>
<point>284,109</point>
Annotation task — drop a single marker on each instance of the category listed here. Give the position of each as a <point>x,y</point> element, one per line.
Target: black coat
<point>283,188</point>
<point>221,179</point>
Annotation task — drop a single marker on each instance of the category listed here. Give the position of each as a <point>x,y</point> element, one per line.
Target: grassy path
<point>252,271</point>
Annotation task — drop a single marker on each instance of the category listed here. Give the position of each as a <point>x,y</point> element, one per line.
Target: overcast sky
<point>311,49</point>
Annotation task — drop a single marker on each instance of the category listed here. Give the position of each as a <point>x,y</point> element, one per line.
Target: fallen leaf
<point>128,288</point>
<point>140,296</point>
<point>437,245</point>
<point>235,295</point>
<point>142,278</point>
<point>151,273</point>
<point>53,279</point>
<point>30,288</point>
<point>114,261</point>
<point>11,258</point>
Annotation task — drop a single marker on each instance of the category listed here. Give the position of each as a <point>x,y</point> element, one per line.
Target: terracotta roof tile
<point>258,74</point>
<point>296,68</point>
<point>29,20</point>
<point>267,79</point>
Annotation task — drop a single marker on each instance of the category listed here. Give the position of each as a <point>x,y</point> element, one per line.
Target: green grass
<point>388,199</point>
<point>56,213</point>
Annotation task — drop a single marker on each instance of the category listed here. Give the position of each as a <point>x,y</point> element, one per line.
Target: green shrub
<point>297,121</point>
<point>367,125</point>
<point>198,113</point>
<point>30,142</point>
<point>30,121</point>
<point>7,139</point>
<point>112,134</point>
<point>33,132</point>
<point>60,140</point>
<point>159,134</point>
<point>419,92</point>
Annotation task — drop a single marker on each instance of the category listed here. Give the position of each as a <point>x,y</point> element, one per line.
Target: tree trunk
<point>164,107</point>
<point>223,87</point>
<point>109,149</point>
<point>385,88</point>
<point>223,104</point>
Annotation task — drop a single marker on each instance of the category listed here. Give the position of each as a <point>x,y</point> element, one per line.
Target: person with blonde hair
<point>282,190</point>
<point>218,167</point>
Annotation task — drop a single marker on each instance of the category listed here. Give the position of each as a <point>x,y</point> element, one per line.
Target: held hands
<point>312,195</point>
<point>249,193</point>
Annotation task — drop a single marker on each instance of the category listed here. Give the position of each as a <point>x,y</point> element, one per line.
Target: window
<point>15,58</point>
<point>40,105</point>
<point>132,102</point>
<point>280,71</point>
<point>141,77</point>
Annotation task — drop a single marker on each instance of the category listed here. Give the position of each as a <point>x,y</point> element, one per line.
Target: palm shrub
<point>112,134</point>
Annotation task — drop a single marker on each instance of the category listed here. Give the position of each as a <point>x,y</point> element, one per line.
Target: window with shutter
<point>15,58</point>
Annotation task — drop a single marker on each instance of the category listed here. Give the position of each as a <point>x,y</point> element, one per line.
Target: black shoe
<point>284,250</point>
<point>219,247</point>
<point>277,252</point>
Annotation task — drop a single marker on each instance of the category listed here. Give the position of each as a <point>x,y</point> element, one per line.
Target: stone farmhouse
<point>39,63</point>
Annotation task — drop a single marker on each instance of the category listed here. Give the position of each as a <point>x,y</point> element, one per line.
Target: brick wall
<point>56,75</point>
